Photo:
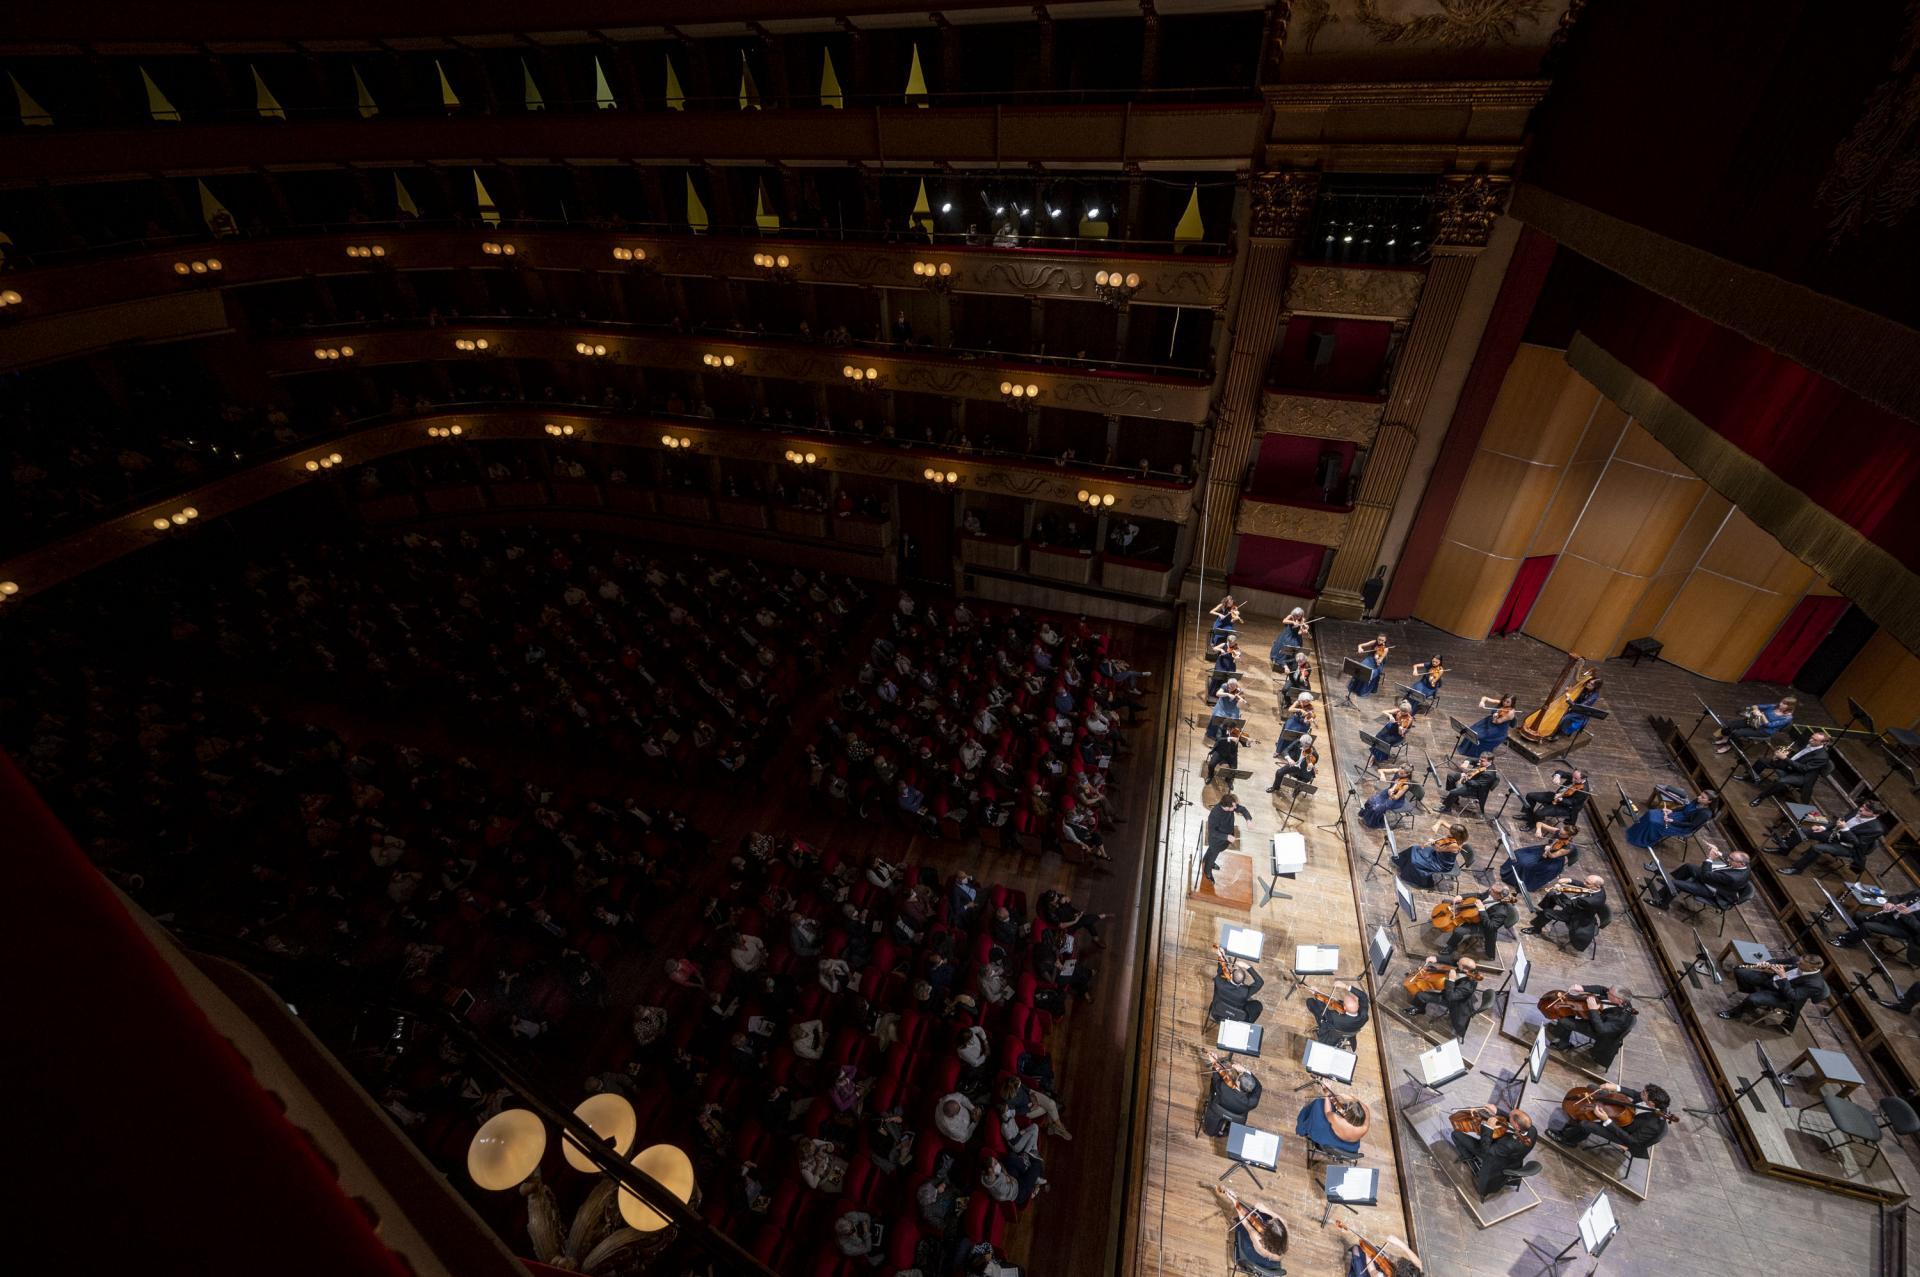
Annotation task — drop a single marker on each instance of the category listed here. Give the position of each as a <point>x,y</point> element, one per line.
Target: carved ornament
<point>1291,522</point>
<point>1465,207</point>
<point>1318,417</point>
<point>1354,290</point>
<point>1282,203</point>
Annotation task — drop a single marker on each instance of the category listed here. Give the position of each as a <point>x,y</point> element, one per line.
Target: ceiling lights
<point>469,343</point>
<point>327,462</point>
<point>178,519</point>
<point>498,248</point>
<point>366,250</point>
<point>333,352</point>
<point>208,266</point>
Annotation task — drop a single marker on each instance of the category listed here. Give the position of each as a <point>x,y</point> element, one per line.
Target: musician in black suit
<point>1561,804</point>
<point>1226,1103</point>
<point>1899,920</point>
<point>1460,995</point>
<point>1335,1022</point>
<point>1637,1136</point>
<point>1492,1158</point>
<point>1791,985</point>
<point>1719,882</point>
<point>1849,840</point>
<point>1233,995</point>
<point>1496,911</point>
<point>1793,768</point>
<point>1299,760</point>
<point>1472,783</point>
<point>1581,904</point>
<point>1609,1017</point>
<point>1226,752</point>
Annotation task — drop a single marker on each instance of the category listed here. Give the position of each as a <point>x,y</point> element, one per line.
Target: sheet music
<point>1443,1061</point>
<point>1318,959</point>
<point>1597,1224</point>
<point>1260,1146</point>
<point>1355,1186</point>
<point>1330,1061</point>
<point>1235,1034</point>
<point>1244,942</point>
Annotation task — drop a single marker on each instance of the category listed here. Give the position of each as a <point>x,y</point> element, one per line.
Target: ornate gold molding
<point>1320,417</point>
<point>1360,291</point>
<point>1282,203</point>
<point>1466,205</point>
<point>1291,522</point>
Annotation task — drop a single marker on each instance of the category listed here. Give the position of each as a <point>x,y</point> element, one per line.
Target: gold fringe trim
<point>1885,588</point>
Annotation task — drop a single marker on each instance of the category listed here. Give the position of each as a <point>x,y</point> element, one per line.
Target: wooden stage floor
<point>1704,1204</point>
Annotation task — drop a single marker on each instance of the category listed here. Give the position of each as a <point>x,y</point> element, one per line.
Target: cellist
<point>1649,1112</point>
<point>1606,1015</point>
<point>1493,1142</point>
<point>1496,911</point>
<point>1459,994</point>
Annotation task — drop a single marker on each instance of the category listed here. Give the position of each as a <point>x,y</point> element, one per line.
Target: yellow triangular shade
<point>696,211</point>
<point>403,198</point>
<point>363,98</point>
<point>263,100</point>
<point>1190,230</point>
<point>676,97</point>
<point>448,98</point>
<point>916,81</point>
<point>489,213</point>
<point>31,112</point>
<point>214,213</point>
<point>749,91</point>
<point>1090,229</point>
<point>157,105</point>
<point>529,91</point>
<point>830,94</point>
<point>922,216</point>
<point>602,91</point>
<point>765,220</point>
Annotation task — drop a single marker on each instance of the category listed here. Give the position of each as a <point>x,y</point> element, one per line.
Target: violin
<point>1476,1121</point>
<point>1432,977</point>
<point>1225,1073</point>
<point>1309,757</point>
<point>1591,1104</point>
<point>1570,788</point>
<point>1378,1265</point>
<point>1567,887</point>
<point>1398,789</point>
<point>1228,966</point>
<point>1564,1004</point>
<point>1447,915</point>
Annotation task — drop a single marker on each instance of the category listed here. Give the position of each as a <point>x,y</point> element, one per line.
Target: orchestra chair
<point>1237,1268</point>
<point>1852,1124</point>
<point>1700,905</point>
<point>1510,1182</point>
<point>1593,950</point>
<point>1319,1154</point>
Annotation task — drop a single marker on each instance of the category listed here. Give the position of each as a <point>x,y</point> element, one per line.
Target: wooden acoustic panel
<point>1885,678</point>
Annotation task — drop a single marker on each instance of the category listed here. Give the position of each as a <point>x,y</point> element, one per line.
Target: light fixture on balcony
<point>860,376</point>
<point>178,519</point>
<point>721,363</point>
<point>366,250</point>
<point>592,350</point>
<point>802,458</point>
<point>333,352</point>
<point>676,443</point>
<point>8,297</point>
<point>1015,393</point>
<point>1114,287</point>
<point>941,478</point>
<point>778,267</point>
<point>470,343</point>
<point>1094,500</point>
<point>498,248</point>
<point>934,276</point>
<point>8,589</point>
<point>558,431</point>
<point>327,462</point>
<point>634,258</point>
<point>199,266</point>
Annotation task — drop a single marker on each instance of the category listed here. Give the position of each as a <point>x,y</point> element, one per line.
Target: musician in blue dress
<point>1299,715</point>
<point>1427,677</point>
<point>1573,722</point>
<point>1292,637</point>
<point>1490,733</point>
<point>1421,866</point>
<point>1663,821</point>
<point>1535,866</point>
<point>1390,798</point>
<point>1334,1121</point>
<point>1761,722</point>
<point>1226,664</point>
<point>1373,655</point>
<point>1228,707</point>
<point>1399,723</point>
<point>1226,619</point>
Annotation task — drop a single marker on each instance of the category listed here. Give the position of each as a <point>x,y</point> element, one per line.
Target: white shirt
<point>957,1127</point>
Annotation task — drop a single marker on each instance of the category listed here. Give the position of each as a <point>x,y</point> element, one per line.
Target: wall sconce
<point>333,352</point>
<point>1114,288</point>
<point>934,276</point>
<point>1012,392</point>
<point>676,444</point>
<point>860,376</point>
<point>778,268</point>
<point>498,248</point>
<point>8,589</point>
<point>178,519</point>
<point>801,458</point>
<point>470,343</point>
<point>1094,500</point>
<point>724,363</point>
<point>557,431</point>
<point>210,266</point>
<point>621,253</point>
<point>589,349</point>
<point>941,479</point>
<point>8,297</point>
<point>366,250</point>
<point>433,432</point>
<point>327,462</point>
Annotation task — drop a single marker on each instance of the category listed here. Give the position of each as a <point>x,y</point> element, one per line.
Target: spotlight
<point>1093,215</point>
<point>946,207</point>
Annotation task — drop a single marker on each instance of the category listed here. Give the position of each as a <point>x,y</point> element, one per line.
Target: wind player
<point>1492,1158</point>
<point>1899,920</point>
<point>1460,995</point>
<point>1581,904</point>
<point>1233,994</point>
<point>1850,840</point>
<point>1793,769</point>
<point>1717,880</point>
<point>1496,911</point>
<point>1229,1101</point>
<point>1638,1135</point>
<point>1775,985</point>
<point>1610,1016</point>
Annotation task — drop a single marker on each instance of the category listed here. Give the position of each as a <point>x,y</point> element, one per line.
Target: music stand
<point>1380,951</point>
<point>1289,868</point>
<point>1418,701</point>
<point>1537,1055</point>
<point>1377,746</point>
<point>1706,712</point>
<point>1404,894</point>
<point>1251,1146</point>
<point>1389,849</point>
<point>1351,1186</point>
<point>1462,735</point>
<point>1352,669</point>
<point>1666,879</point>
<point>1295,789</point>
<point>1857,713</point>
<point>1323,1061</point>
<point>1768,1072</point>
<point>1513,792</point>
<point>1439,1066</point>
<point>1598,1227</point>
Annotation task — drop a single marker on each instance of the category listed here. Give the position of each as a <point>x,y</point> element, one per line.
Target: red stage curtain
<point>1526,588</point>
<point>1796,640</point>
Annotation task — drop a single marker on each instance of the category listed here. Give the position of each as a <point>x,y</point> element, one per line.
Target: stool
<point>1637,648</point>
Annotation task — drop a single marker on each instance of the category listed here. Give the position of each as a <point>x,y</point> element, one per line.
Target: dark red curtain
<point>1796,640</point>
<point>1526,588</point>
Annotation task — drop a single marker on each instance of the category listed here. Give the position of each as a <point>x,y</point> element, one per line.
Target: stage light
<point>946,207</point>
<point>9,297</point>
<point>9,588</point>
<point>1093,214</point>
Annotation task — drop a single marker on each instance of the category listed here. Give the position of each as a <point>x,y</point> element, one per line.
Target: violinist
<point>1562,803</point>
<point>1533,867</point>
<point>1226,664</point>
<point>1233,990</point>
<point>1335,1022</point>
<point>1775,985</point>
<point>1421,866</point>
<point>1493,1142</point>
<point>1427,677</point>
<point>1581,903</point>
<point>1226,619</point>
<point>1391,1258</point>
<point>1490,733</point>
<point>1496,911</point>
<point>1259,1234</point>
<point>1334,1121</point>
<point>1373,655</point>
<point>1292,637</point>
<point>1599,1015</point>
<point>1399,724</point>
<point>1232,1093</point>
<point>1392,796</point>
<point>1898,920</point>
<point>1647,1108</point>
<point>1228,707</point>
<point>1299,715</point>
<point>1718,880</point>
<point>1298,762</point>
<point>1299,674</point>
<point>1573,722</point>
<point>1226,751</point>
<point>1459,994</point>
<point>1472,783</point>
<point>1663,821</point>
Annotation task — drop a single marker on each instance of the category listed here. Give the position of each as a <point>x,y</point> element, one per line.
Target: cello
<point>1448,915</point>
<point>1591,1104</point>
<point>1562,1004</point>
<point>1431,977</point>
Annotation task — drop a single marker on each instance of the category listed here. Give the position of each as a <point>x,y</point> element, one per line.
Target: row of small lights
<point>621,253</point>
<point>470,343</point>
<point>178,519</point>
<point>212,265</point>
<point>327,462</point>
<point>333,352</point>
<point>676,443</point>
<point>1094,499</point>
<point>860,374</point>
<point>558,431</point>
<point>366,250</point>
<point>8,589</point>
<point>767,261</point>
<point>941,478</point>
<point>1010,390</point>
<point>939,270</point>
<point>436,432</point>
<point>498,248</point>
<point>590,349</point>
<point>718,361</point>
<point>802,458</point>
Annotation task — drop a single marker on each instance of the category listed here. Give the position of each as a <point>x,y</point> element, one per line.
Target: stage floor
<point>1703,1199</point>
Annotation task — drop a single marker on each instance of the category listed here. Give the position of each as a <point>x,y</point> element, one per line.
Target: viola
<point>1227,965</point>
<point>1590,1104</point>
<point>1572,889</point>
<point>1447,915</point>
<point>1378,1265</point>
<point>1220,1068</point>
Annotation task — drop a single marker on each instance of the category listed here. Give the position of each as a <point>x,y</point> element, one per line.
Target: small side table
<point>1826,1068</point>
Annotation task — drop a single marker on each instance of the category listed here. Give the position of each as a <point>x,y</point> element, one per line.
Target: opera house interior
<point>772,638</point>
